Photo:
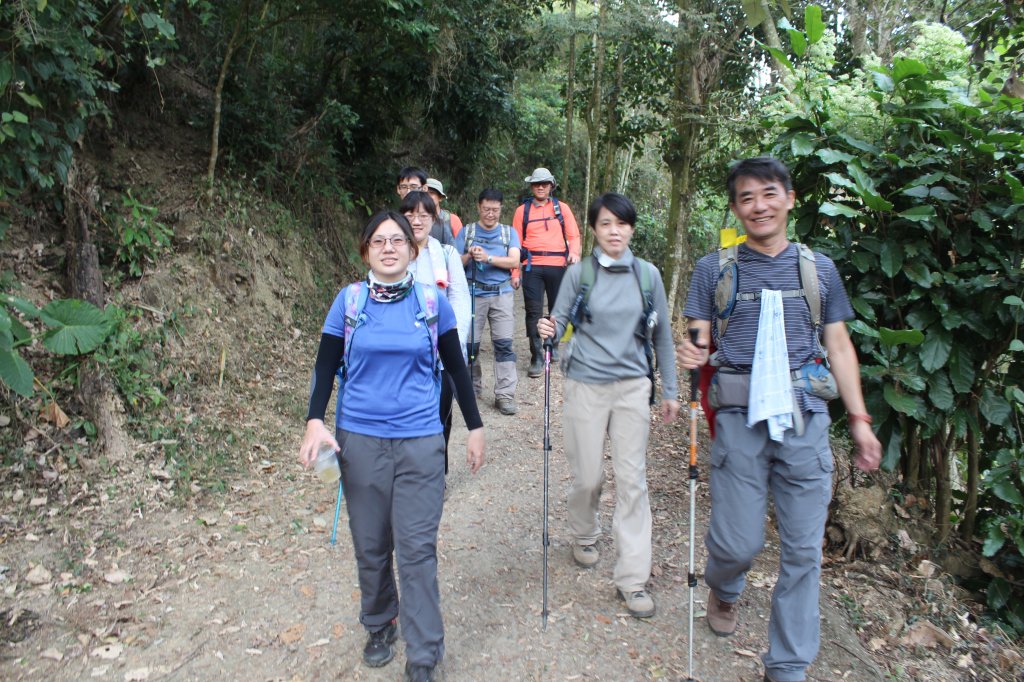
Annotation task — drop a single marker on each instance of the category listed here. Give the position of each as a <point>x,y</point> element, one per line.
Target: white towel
<point>771,388</point>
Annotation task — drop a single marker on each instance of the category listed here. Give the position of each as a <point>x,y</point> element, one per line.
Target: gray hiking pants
<point>745,466</point>
<point>394,493</point>
<point>499,312</point>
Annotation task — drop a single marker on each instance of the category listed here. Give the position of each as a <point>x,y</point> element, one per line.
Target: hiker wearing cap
<point>490,251</point>
<point>438,265</point>
<point>447,224</point>
<point>617,306</point>
<point>384,335</point>
<point>776,313</point>
<point>410,179</point>
<point>551,242</point>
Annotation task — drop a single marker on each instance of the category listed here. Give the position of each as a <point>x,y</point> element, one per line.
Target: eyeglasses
<point>397,241</point>
<point>421,216</point>
<point>410,188</point>
<point>484,209</point>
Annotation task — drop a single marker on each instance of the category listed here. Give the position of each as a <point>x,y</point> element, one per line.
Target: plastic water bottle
<point>326,464</point>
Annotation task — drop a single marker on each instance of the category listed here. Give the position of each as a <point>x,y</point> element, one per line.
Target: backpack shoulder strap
<point>355,301</point>
<point>526,215</point>
<point>426,298</point>
<point>557,208</point>
<point>644,278</point>
<point>727,287</point>
<point>809,283</point>
<point>588,275</point>
<point>506,237</point>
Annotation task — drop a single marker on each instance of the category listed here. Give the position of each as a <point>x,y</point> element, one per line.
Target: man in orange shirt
<point>551,242</point>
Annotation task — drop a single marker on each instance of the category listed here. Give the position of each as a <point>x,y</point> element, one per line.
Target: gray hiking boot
<point>638,602</point>
<point>505,405</point>
<point>585,556</point>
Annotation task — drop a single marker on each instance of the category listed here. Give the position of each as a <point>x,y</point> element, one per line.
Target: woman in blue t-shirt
<point>389,438</point>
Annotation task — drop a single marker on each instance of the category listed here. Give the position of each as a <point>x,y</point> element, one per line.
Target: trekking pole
<point>691,576</point>
<point>471,353</point>
<point>337,510</point>
<point>548,343</point>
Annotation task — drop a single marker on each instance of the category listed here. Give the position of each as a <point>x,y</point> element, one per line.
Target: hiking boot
<point>505,405</point>
<point>721,616</point>
<point>418,673</point>
<point>585,556</point>
<point>379,650</point>
<point>638,602</point>
<point>536,358</point>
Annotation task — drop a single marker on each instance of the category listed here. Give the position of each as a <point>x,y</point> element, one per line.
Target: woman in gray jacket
<point>617,306</point>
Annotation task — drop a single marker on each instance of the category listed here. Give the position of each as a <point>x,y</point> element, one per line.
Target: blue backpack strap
<point>426,298</point>
<point>355,301</point>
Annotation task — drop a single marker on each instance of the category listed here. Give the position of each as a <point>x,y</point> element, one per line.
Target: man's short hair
<point>412,172</point>
<point>764,168</point>
<point>491,194</point>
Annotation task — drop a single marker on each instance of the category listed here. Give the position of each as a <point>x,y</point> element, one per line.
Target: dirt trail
<point>246,585</point>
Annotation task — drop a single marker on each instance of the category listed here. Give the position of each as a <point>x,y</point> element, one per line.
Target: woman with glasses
<point>438,265</point>
<point>389,440</point>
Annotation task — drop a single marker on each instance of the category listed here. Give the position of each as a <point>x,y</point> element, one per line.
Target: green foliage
<point>55,78</point>
<point>923,218</point>
<point>140,236</point>
<point>73,328</point>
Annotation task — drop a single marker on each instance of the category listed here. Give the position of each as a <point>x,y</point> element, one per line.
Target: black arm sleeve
<point>328,360</point>
<point>450,350</point>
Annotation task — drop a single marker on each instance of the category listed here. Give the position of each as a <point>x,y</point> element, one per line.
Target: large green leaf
<point>906,68</point>
<point>994,407</point>
<point>892,258</point>
<point>76,326</point>
<point>755,12</point>
<point>961,369</point>
<point>831,156</point>
<point>940,393</point>
<point>998,589</point>
<point>918,273</point>
<point>935,349</point>
<point>994,541</point>
<point>813,23</point>
<point>893,451</point>
<point>802,144</point>
<point>16,373</point>
<point>901,402</point>
<point>1006,491</point>
<point>918,214</point>
<point>829,208</point>
<point>780,56</point>
<point>798,41</point>
<point>898,337</point>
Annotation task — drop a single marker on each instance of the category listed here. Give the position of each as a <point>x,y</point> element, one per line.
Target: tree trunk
<point>218,96</point>
<point>611,147</point>
<point>594,117</point>
<point>943,489</point>
<point>913,472</point>
<point>857,16</point>
<point>967,526</point>
<point>95,391</point>
<point>570,94</point>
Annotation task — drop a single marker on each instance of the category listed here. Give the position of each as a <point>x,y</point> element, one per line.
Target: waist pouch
<point>731,387</point>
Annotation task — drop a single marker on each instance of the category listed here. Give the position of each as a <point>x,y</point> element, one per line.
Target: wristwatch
<point>490,259</point>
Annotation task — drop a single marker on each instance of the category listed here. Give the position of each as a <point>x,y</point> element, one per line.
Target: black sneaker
<point>418,673</point>
<point>378,650</point>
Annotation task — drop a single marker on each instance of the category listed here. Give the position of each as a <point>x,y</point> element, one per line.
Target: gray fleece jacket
<point>607,348</point>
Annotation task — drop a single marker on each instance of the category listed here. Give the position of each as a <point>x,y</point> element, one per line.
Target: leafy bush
<point>923,219</point>
<point>73,328</point>
<point>140,236</point>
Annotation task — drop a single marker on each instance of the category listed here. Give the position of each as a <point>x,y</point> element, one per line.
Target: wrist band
<point>866,418</point>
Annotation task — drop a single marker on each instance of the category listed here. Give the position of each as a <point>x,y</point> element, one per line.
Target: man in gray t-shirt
<point>746,463</point>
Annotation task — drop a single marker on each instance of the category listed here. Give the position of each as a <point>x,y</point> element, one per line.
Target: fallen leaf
<point>926,569</point>
<point>656,571</point>
<point>4,420</point>
<point>52,654</point>
<point>53,414</point>
<point>876,644</point>
<point>747,653</point>
<point>906,542</point>
<point>308,591</point>
<point>603,619</point>
<point>293,634</point>
<point>338,630</point>
<point>965,661</point>
<point>37,501</point>
<point>38,575</point>
<point>108,652</point>
<point>116,577</point>
<point>137,675</point>
<point>927,634</point>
